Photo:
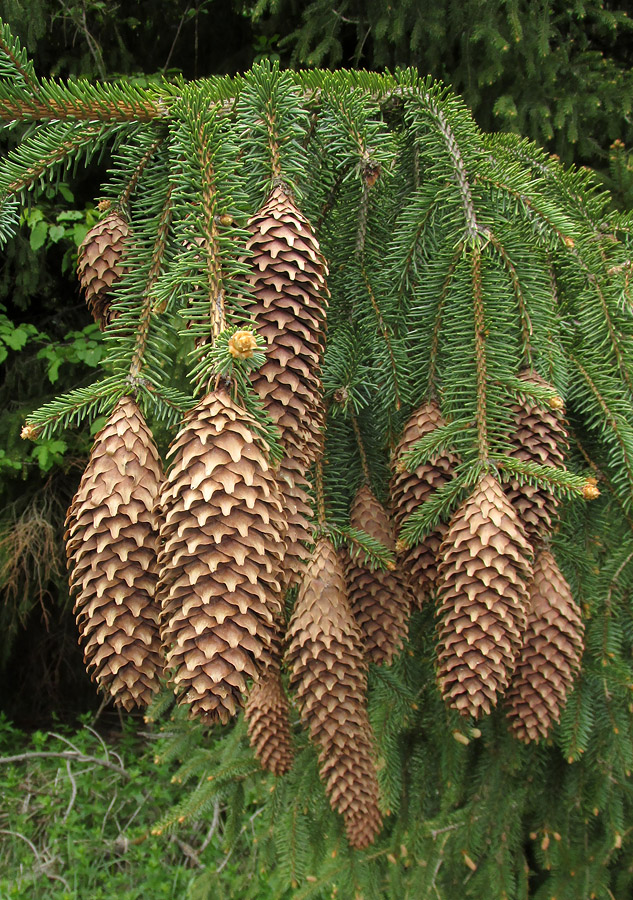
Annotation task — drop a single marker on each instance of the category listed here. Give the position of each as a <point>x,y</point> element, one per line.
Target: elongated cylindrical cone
<point>112,545</point>
<point>329,675</point>
<point>294,487</point>
<point>288,285</point>
<point>550,656</point>
<point>287,282</point>
<point>410,489</point>
<point>482,596</point>
<point>222,537</point>
<point>100,263</point>
<point>268,723</point>
<point>539,437</point>
<point>380,600</point>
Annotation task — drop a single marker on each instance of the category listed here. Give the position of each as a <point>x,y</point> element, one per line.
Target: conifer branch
<point>549,477</point>
<point>80,101</point>
<point>331,197</point>
<point>384,330</point>
<point>533,211</point>
<point>602,478</point>
<point>430,107</point>
<point>613,336</point>
<point>147,307</point>
<point>71,408</point>
<point>609,416</point>
<point>18,61</point>
<point>481,417</point>
<point>361,448</point>
<point>420,229</point>
<point>526,324</point>
<point>435,340</point>
<point>25,165</point>
<point>363,214</point>
<point>130,187</point>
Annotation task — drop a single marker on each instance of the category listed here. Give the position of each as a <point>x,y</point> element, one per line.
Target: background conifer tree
<point>353,241</point>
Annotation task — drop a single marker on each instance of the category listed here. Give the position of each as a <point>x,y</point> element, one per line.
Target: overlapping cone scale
<point>482,599</point>
<point>550,656</point>
<point>100,263</point>
<point>380,600</point>
<point>328,673</point>
<point>222,545</point>
<point>539,436</point>
<point>294,487</point>
<point>268,723</point>
<point>288,286</point>
<point>112,546</point>
<point>410,489</point>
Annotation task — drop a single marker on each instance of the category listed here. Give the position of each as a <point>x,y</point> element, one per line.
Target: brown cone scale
<point>329,675</point>
<point>410,489</point>
<point>287,283</point>
<point>222,537</point>
<point>100,263</point>
<point>550,656</point>
<point>482,599</point>
<point>112,545</point>
<point>539,436</point>
<point>268,723</point>
<point>380,600</point>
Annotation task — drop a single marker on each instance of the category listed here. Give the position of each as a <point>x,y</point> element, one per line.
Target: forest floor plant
<point>377,304</point>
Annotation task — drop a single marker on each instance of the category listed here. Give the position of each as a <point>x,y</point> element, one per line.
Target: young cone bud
<point>482,598</point>
<point>380,600</point>
<point>100,263</point>
<point>550,656</point>
<point>220,562</point>
<point>410,489</point>
<point>112,545</point>
<point>539,437</point>
<point>329,676</point>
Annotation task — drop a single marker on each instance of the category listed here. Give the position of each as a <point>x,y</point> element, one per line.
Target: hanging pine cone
<point>482,598</point>
<point>268,723</point>
<point>100,263</point>
<point>221,556</point>
<point>287,281</point>
<point>550,656</point>
<point>112,545</point>
<point>539,437</point>
<point>328,673</point>
<point>288,285</point>
<point>410,489</point>
<point>380,601</point>
<point>294,488</point>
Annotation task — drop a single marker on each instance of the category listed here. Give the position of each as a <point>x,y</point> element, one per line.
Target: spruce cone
<point>329,675</point>
<point>268,724</point>
<point>380,600</point>
<point>288,286</point>
<point>112,545</point>
<point>221,556</point>
<point>539,437</point>
<point>482,598</point>
<point>99,264</point>
<point>410,489</point>
<point>550,656</point>
<point>287,280</point>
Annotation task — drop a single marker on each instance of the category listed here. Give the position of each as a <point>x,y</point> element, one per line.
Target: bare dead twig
<point>65,754</point>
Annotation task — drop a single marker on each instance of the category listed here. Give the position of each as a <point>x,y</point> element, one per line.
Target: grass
<point>76,820</point>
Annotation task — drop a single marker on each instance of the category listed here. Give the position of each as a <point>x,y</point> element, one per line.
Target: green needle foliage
<point>457,260</point>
